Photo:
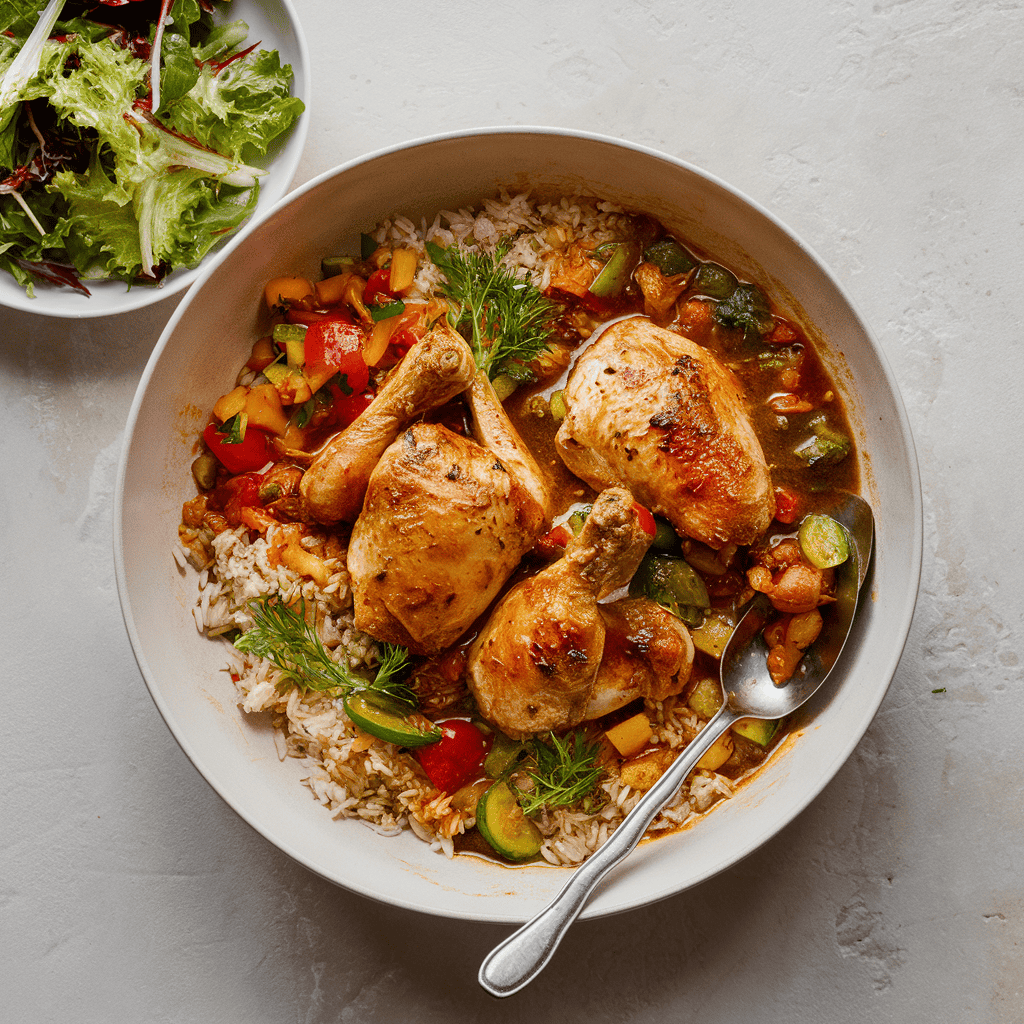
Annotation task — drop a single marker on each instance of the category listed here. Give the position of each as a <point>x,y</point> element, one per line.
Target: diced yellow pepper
<point>331,291</point>
<point>403,271</point>
<point>718,753</point>
<point>264,409</point>
<point>376,344</point>
<point>631,736</point>
<point>230,404</point>
<point>644,771</point>
<point>280,291</point>
<point>263,354</point>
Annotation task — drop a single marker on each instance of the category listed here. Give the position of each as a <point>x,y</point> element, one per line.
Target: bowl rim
<point>143,296</point>
<point>840,753</point>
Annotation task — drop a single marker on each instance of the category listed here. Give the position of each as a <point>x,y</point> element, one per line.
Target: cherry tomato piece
<point>378,287</point>
<point>237,493</point>
<point>332,344</point>
<point>254,451</point>
<point>456,757</point>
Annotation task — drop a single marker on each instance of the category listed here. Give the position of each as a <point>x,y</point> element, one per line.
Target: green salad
<point>131,136</point>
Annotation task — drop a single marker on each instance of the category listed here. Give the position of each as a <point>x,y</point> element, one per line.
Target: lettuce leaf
<point>157,193</point>
<point>239,111</point>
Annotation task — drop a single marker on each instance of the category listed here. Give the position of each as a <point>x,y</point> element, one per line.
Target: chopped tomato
<point>345,408</point>
<point>787,505</point>
<point>253,451</point>
<point>646,520</point>
<point>336,346</point>
<point>239,492</point>
<point>401,341</point>
<point>378,288</point>
<point>457,757</point>
<point>781,334</point>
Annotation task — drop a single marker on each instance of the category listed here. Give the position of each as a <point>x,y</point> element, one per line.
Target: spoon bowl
<point>749,692</point>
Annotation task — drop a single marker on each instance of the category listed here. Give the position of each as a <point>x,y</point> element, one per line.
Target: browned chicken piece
<point>436,369</point>
<point>647,653</point>
<point>445,522</point>
<point>444,525</point>
<point>494,430</point>
<point>650,410</point>
<point>533,666</point>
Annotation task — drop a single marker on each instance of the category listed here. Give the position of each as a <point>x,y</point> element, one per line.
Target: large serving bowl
<point>274,25</point>
<point>210,336</point>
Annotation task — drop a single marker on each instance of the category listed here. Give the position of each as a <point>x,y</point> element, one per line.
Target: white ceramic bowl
<point>275,26</point>
<point>210,335</point>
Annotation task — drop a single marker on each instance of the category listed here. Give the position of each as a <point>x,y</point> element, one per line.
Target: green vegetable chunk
<point>714,281</point>
<point>748,308</point>
<point>616,272</point>
<point>503,824</point>
<point>757,730</point>
<point>390,719</point>
<point>674,584</point>
<point>825,447</point>
<point>823,541</point>
<point>665,537</point>
<point>502,756</point>
<point>670,257</point>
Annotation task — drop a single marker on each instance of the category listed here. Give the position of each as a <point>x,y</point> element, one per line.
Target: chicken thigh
<point>650,410</point>
<point>436,369</point>
<point>445,522</point>
<point>533,666</point>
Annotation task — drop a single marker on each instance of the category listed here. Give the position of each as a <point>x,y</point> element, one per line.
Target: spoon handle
<point>514,963</point>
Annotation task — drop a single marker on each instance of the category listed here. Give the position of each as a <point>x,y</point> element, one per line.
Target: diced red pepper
<point>552,544</point>
<point>378,288</point>
<point>312,316</point>
<point>457,757</point>
<point>646,519</point>
<point>254,451</point>
<point>333,344</point>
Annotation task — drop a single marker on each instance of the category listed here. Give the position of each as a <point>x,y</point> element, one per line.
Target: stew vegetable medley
<point>484,505</point>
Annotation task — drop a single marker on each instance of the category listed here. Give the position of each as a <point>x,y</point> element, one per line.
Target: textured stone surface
<point>888,135</point>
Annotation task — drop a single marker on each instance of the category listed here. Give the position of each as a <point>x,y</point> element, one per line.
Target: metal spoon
<point>749,693</point>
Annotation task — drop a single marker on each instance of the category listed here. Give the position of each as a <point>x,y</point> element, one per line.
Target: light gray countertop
<point>890,137</point>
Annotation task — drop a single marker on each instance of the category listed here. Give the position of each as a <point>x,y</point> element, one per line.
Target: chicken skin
<point>436,369</point>
<point>647,653</point>
<point>650,410</point>
<point>534,664</point>
<point>445,522</point>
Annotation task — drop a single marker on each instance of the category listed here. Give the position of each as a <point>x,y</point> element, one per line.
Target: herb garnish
<point>566,772</point>
<point>510,320</point>
<point>281,635</point>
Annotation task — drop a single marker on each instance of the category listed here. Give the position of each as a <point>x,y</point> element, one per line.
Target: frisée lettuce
<point>128,149</point>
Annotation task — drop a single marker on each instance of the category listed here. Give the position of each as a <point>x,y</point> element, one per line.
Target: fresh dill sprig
<point>281,635</point>
<point>508,318</point>
<point>566,771</point>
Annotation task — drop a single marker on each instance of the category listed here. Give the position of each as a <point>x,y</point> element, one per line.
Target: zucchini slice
<point>390,719</point>
<point>503,824</point>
